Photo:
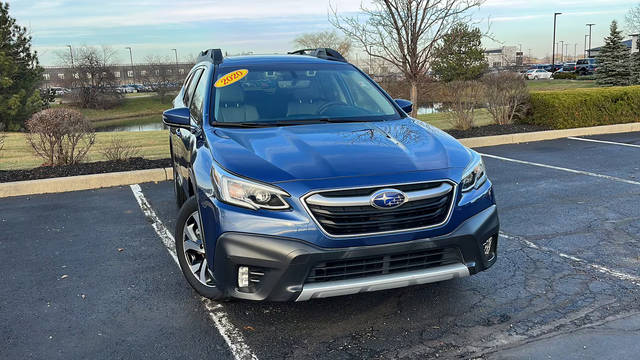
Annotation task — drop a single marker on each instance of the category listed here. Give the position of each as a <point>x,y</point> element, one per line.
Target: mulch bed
<point>490,130</point>
<point>99,167</point>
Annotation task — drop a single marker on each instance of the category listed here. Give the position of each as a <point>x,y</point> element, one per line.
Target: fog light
<point>243,276</point>
<point>489,249</point>
<point>487,246</point>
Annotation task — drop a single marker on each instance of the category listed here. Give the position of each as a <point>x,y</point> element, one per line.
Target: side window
<point>197,99</point>
<point>364,94</point>
<point>192,86</point>
<point>360,91</point>
<point>185,86</point>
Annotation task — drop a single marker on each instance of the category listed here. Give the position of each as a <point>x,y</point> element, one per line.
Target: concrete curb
<point>84,182</point>
<point>548,135</point>
<point>96,181</point>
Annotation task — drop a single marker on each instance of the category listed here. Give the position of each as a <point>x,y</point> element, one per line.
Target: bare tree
<point>2,137</point>
<point>404,32</point>
<point>92,76</point>
<point>159,74</point>
<point>324,39</point>
<point>60,136</point>
<point>507,96</point>
<point>633,19</point>
<point>119,149</point>
<point>465,96</point>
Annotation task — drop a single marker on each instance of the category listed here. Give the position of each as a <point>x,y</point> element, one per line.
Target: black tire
<point>189,259</point>
<point>178,190</point>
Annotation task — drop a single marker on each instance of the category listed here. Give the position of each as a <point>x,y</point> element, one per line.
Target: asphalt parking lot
<point>87,275</point>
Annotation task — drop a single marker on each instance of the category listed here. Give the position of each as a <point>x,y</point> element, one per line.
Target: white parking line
<point>604,142</point>
<point>230,333</point>
<point>613,178</point>
<point>617,274</point>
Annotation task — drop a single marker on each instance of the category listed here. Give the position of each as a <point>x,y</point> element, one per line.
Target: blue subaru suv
<point>298,177</point>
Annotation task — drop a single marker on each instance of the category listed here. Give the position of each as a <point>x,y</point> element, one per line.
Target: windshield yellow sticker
<point>231,77</point>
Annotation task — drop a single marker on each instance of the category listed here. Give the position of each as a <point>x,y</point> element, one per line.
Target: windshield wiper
<point>240,124</point>
<point>285,122</point>
<point>317,121</point>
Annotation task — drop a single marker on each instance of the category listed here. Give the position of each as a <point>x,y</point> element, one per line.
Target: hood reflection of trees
<point>396,131</point>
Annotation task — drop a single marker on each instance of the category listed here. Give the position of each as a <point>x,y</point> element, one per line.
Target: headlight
<point>474,175</point>
<point>246,193</point>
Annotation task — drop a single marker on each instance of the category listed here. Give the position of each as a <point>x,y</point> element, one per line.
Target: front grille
<point>380,265</point>
<point>361,220</point>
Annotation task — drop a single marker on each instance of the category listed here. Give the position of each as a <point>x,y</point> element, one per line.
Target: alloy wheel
<point>193,250</point>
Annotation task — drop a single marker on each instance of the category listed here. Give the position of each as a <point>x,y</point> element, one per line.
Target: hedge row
<point>565,75</point>
<point>584,107</point>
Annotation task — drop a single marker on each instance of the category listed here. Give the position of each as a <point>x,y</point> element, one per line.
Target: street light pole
<point>553,54</point>
<point>561,51</point>
<point>589,50</point>
<point>131,58</point>
<point>176,52</point>
<point>585,45</point>
<point>71,53</point>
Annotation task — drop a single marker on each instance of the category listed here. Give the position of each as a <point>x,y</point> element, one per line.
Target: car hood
<point>329,150</point>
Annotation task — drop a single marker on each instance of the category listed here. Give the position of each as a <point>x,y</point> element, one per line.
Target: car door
<point>182,138</point>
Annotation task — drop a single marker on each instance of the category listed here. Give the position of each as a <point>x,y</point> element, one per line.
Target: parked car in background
<point>126,89</point>
<point>586,66</point>
<point>538,74</point>
<point>131,88</point>
<point>299,177</point>
<point>141,88</point>
<point>59,91</point>
<point>569,67</point>
<point>552,68</point>
<point>538,66</point>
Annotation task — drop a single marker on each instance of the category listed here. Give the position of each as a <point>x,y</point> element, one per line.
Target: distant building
<point>57,76</point>
<point>502,57</point>
<point>631,44</point>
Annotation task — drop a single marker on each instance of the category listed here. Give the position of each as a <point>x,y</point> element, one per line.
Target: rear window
<point>298,92</point>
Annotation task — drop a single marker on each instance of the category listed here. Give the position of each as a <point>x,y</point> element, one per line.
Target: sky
<point>154,27</point>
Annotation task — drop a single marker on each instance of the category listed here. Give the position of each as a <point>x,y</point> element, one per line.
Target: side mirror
<point>405,105</point>
<point>178,117</point>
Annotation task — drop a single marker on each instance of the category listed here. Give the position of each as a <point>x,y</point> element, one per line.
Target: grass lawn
<point>17,153</point>
<point>441,120</point>
<point>546,85</point>
<point>132,107</point>
<point>136,120</point>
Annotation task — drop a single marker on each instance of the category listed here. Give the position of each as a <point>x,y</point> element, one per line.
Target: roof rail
<point>322,53</point>
<point>211,55</point>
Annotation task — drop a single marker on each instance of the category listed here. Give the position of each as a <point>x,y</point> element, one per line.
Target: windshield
<point>298,93</point>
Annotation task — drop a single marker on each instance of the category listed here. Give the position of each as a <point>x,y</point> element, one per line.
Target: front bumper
<point>282,265</point>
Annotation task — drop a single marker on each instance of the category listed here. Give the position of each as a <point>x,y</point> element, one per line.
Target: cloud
<point>70,14</point>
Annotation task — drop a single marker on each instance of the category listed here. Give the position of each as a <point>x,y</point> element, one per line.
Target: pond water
<point>133,127</point>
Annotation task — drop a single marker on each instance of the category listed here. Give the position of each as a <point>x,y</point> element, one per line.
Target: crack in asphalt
<point>615,273</point>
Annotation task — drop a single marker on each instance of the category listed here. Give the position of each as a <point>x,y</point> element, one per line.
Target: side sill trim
<point>382,282</point>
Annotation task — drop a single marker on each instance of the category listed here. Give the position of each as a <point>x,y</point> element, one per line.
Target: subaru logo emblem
<point>388,199</point>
